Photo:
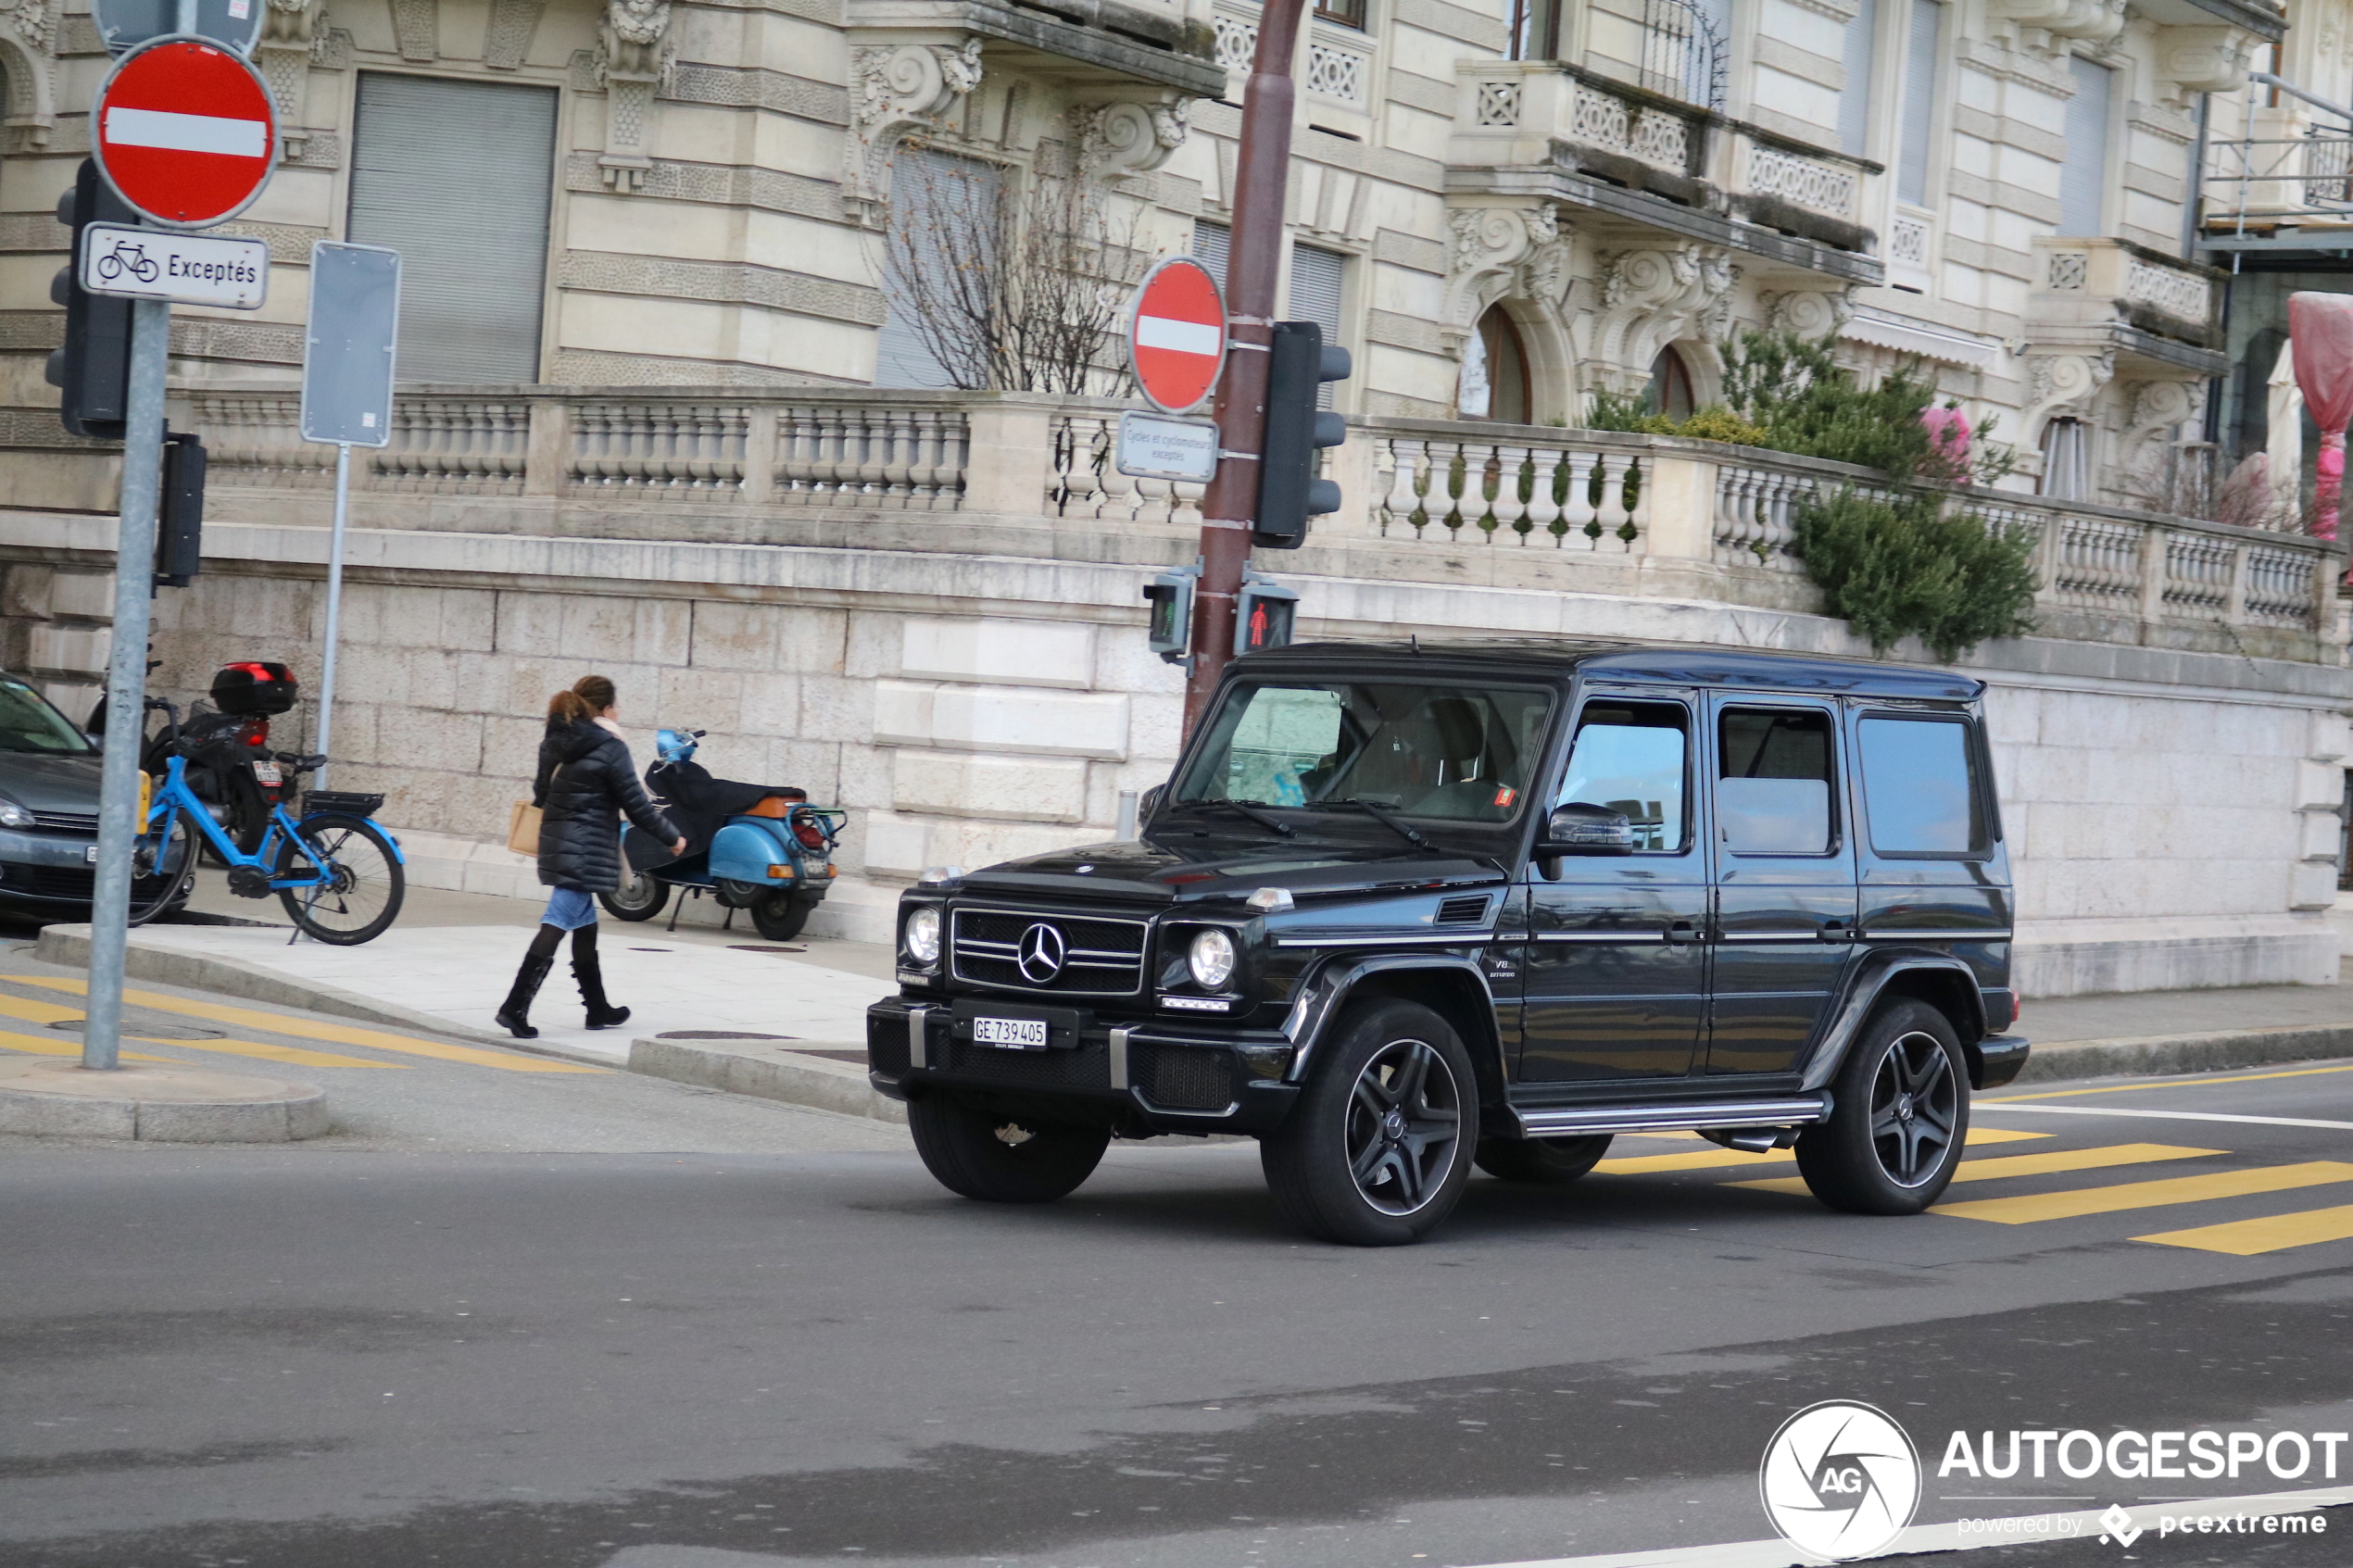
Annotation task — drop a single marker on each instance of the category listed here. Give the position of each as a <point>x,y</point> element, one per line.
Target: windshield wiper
<point>1381,815</point>
<point>1251,809</point>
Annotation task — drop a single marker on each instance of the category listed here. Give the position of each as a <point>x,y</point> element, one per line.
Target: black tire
<point>1541,1162</point>
<point>362,898</point>
<point>641,897</point>
<point>1377,1150</point>
<point>734,894</point>
<point>1900,1117</point>
<point>779,916</point>
<point>167,854</point>
<point>998,1158</point>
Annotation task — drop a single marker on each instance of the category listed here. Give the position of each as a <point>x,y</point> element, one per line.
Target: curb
<point>769,1073</point>
<point>38,1099</point>
<point>68,946</point>
<point>2155,1056</point>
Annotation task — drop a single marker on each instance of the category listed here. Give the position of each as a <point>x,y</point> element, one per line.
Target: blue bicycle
<point>338,874</point>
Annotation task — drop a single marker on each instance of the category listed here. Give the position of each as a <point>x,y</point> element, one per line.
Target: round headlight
<point>923,934</point>
<point>1212,960</point>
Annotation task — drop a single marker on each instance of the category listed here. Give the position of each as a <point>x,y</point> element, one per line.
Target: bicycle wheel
<point>360,895</point>
<point>163,865</point>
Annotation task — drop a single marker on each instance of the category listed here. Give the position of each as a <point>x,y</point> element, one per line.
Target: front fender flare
<point>1322,994</point>
<point>1866,984</point>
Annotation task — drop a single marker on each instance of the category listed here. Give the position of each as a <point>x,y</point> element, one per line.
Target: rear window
<point>1920,788</point>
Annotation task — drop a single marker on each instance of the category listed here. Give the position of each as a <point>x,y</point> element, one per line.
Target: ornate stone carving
<point>2201,60</point>
<point>1650,299</point>
<point>633,62</point>
<point>292,34</point>
<point>2063,386</point>
<point>1501,253</point>
<point>416,27</point>
<point>2155,413</point>
<point>513,23</point>
<point>2045,26</point>
<point>28,61</point>
<point>1807,313</point>
<point>1119,140</point>
<point>894,92</point>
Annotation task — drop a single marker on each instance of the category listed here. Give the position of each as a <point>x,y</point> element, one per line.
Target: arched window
<point>1494,384</point>
<point>2067,460</point>
<point>1670,388</point>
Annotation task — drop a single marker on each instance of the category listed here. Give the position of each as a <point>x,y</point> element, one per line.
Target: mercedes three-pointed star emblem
<point>1039,954</point>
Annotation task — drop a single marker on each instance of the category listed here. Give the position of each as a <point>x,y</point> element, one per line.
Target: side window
<point>1774,796</point>
<point>1920,788</point>
<point>1629,758</point>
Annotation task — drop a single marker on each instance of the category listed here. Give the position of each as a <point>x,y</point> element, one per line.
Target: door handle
<point>1679,932</point>
<point>1838,930</point>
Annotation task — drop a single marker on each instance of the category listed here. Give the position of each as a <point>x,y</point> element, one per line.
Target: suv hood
<point>1141,868</point>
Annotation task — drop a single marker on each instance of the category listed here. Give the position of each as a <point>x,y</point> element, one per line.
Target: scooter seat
<point>779,805</point>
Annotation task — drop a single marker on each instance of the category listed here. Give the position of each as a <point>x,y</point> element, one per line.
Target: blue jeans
<point>569,909</point>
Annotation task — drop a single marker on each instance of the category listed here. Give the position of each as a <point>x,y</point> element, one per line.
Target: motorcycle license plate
<point>266,772</point>
<point>1012,1033</point>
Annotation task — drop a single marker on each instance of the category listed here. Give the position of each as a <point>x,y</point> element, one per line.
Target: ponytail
<point>589,696</point>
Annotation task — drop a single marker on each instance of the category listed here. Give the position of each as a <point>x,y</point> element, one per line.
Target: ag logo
<point>1840,1480</point>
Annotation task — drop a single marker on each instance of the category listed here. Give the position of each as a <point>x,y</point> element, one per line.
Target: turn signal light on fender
<point>780,870</point>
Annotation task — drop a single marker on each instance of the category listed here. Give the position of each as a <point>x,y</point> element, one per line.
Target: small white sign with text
<point>184,268</point>
<point>1165,446</point>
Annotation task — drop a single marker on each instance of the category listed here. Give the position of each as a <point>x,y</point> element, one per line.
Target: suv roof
<point>1679,663</point>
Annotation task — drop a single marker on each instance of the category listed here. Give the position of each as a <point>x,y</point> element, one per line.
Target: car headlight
<point>923,934</point>
<point>1211,960</point>
<point>13,815</point>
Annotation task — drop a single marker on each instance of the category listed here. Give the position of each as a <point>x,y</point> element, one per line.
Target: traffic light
<point>179,531</point>
<point>1264,616</point>
<point>1289,492</point>
<point>1169,629</point>
<point>93,367</point>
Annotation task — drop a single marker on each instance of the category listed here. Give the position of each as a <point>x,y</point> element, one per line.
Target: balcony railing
<point>2096,283</point>
<point>1428,500</point>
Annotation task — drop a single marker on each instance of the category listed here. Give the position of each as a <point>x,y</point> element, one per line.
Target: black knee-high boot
<point>515,1016</point>
<point>602,1014</point>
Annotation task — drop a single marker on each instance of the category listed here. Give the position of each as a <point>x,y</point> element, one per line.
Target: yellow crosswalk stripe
<point>2078,1202</point>
<point>50,1012</point>
<point>2051,1163</point>
<point>2244,1238</point>
<point>2200,1081</point>
<point>303,1028</point>
<point>1710,1158</point>
<point>35,1044</point>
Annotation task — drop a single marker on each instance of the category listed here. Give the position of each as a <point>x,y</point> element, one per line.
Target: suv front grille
<point>1080,1069</point>
<point>1101,956</point>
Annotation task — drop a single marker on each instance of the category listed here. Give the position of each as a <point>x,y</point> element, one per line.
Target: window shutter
<point>1212,242</point>
<point>1315,279</point>
<point>2084,175</point>
<point>471,231</point>
<point>931,190</point>
<point>1919,101</point>
<point>1855,98</point>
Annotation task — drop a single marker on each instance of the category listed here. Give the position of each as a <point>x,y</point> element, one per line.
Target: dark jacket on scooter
<point>585,784</point>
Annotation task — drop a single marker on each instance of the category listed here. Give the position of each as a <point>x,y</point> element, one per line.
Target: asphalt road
<point>763,1347</point>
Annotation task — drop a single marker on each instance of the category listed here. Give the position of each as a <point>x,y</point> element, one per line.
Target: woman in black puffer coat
<point>585,784</point>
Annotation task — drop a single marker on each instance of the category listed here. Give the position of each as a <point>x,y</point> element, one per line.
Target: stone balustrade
<point>2080,283</point>
<point>1424,498</point>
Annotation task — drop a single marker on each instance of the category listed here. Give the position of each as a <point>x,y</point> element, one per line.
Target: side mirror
<point>1581,828</point>
<point>1148,804</point>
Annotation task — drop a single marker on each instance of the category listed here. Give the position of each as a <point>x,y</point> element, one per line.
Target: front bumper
<point>46,870</point>
<point>2004,1057</point>
<point>1146,1077</point>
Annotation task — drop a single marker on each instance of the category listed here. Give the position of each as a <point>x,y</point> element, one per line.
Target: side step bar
<point>1796,1109</point>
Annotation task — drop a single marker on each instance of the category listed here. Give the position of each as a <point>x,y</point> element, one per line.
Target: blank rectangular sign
<point>347,351</point>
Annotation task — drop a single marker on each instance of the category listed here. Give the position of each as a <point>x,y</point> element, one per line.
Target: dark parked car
<point>1402,909</point>
<point>49,812</point>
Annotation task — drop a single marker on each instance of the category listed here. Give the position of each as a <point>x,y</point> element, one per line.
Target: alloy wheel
<point>1915,1101</point>
<point>1405,1126</point>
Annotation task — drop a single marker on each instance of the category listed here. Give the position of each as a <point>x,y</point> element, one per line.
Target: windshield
<point>29,724</point>
<point>1456,754</point>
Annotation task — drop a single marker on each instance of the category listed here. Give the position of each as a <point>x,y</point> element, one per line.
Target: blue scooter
<point>760,847</point>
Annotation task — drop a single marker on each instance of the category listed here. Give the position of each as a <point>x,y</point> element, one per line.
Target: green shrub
<point>1903,567</point>
<point>1716,422</point>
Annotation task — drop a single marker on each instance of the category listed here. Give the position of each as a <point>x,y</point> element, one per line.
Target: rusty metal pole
<point>1253,267</point>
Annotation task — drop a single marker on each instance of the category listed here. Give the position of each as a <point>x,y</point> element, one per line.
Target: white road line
<point>2157,1115</point>
<point>2083,1525</point>
<point>187,132</point>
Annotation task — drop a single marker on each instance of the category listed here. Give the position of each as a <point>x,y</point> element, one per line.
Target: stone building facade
<point>646,433</point>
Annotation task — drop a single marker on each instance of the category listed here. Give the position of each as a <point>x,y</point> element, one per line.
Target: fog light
<point>1212,960</point>
<point>1266,1064</point>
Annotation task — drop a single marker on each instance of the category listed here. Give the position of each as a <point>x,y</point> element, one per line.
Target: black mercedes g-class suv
<point>1405,909</point>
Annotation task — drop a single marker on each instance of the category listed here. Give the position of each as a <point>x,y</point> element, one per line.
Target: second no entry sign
<point>185,131</point>
<point>1177,335</point>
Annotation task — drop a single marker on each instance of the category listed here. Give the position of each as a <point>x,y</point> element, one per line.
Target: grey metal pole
<point>135,573</point>
<point>335,604</point>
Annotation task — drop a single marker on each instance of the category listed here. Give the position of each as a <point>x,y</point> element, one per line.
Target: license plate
<point>1014,1034</point>
<point>90,853</point>
<point>266,772</point>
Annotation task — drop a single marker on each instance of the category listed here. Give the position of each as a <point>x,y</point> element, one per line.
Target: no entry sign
<point>186,133</point>
<point>1177,337</point>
